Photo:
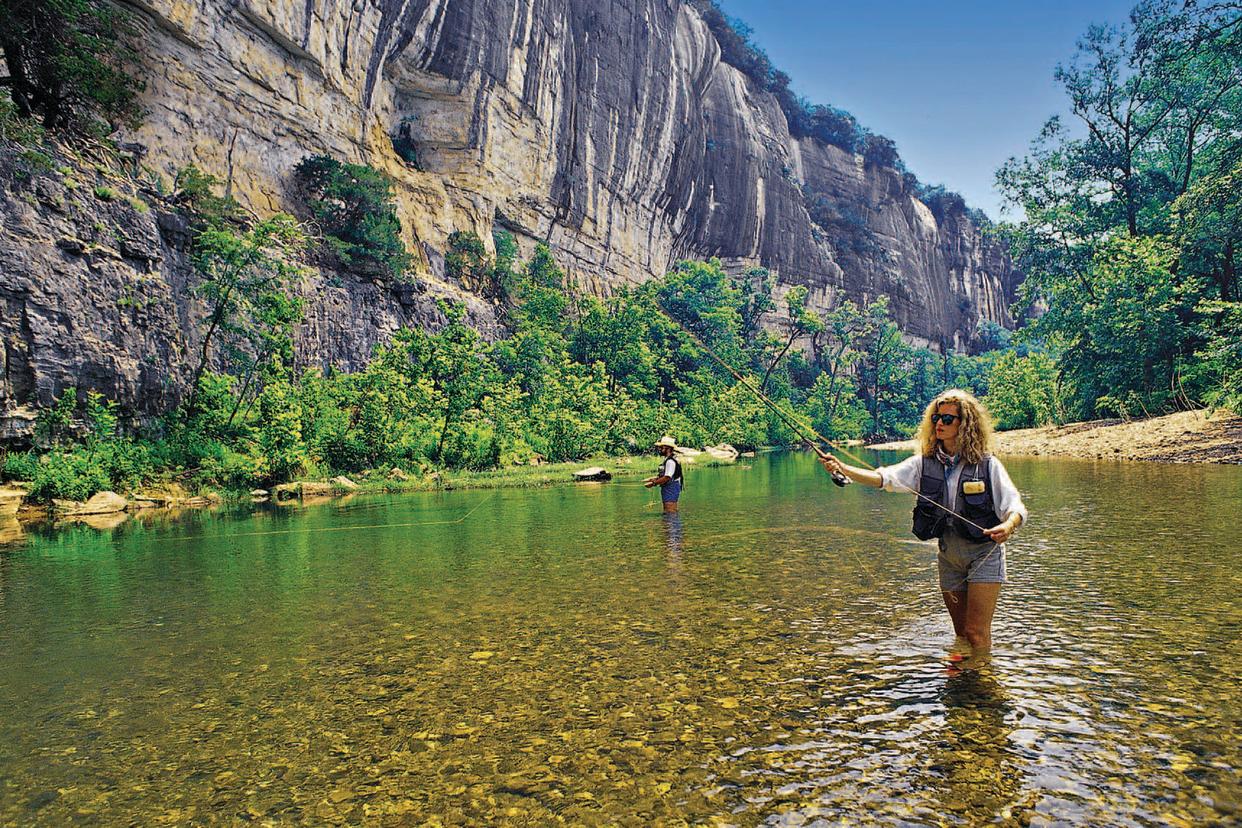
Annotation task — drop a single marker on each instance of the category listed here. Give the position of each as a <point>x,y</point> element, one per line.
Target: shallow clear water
<point>774,657</point>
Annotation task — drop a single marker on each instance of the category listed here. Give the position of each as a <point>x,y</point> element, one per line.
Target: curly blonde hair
<point>974,436</point>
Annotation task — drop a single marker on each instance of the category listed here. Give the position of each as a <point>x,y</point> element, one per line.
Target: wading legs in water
<point>972,612</point>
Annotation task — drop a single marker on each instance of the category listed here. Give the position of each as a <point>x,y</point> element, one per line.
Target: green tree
<point>1159,101</point>
<point>354,208</point>
<point>540,291</point>
<point>1122,328</point>
<point>1208,227</point>
<point>1151,95</point>
<point>67,63</point>
<point>194,191</point>
<point>803,321</point>
<point>1024,391</point>
<point>467,261</point>
<point>280,429</point>
<point>884,373</point>
<point>1218,364</point>
<point>698,297</point>
<point>503,275</point>
<point>453,361</point>
<point>244,281</point>
<point>755,287</point>
<point>846,327</point>
<point>834,407</point>
<point>614,334</point>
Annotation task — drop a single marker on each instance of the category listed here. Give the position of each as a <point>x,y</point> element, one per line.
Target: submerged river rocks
<point>774,654</point>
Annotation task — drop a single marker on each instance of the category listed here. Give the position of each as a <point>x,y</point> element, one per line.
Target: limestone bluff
<point>610,129</point>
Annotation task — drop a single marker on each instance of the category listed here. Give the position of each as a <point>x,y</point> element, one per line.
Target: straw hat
<point>666,441</point>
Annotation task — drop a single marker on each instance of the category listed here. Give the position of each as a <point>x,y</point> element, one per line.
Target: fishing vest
<point>676,468</point>
<point>974,501</point>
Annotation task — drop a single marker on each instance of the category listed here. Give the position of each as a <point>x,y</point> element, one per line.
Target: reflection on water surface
<point>771,655</point>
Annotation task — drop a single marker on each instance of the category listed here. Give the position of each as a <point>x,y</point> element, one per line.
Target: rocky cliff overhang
<point>610,130</point>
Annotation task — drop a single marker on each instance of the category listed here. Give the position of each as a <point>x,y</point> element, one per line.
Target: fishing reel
<point>838,478</point>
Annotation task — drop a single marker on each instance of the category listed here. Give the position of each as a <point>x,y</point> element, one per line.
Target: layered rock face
<point>608,128</point>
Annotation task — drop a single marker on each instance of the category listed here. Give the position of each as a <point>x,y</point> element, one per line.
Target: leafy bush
<point>467,261</point>
<point>68,65</point>
<point>503,273</point>
<point>1024,391</point>
<point>834,126</point>
<point>24,132</point>
<point>280,431</point>
<point>940,200</point>
<point>234,469</point>
<point>194,191</point>
<point>73,475</point>
<point>54,425</point>
<point>879,151</point>
<point>78,467</point>
<point>20,466</point>
<point>353,205</point>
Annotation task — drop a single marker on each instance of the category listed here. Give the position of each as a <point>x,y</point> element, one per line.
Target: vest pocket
<point>977,501</point>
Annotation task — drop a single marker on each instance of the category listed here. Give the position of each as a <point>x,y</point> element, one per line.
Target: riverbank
<point>108,510</point>
<point>1184,437</point>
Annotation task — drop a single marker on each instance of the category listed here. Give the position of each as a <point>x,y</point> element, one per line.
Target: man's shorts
<point>962,562</point>
<point>670,491</point>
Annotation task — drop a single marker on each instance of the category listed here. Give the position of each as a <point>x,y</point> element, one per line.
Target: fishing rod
<point>837,477</point>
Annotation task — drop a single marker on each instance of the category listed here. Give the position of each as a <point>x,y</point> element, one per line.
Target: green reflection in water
<point>770,656</point>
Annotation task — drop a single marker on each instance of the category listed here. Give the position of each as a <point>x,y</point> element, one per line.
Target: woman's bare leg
<point>980,607</point>
<point>955,603</point>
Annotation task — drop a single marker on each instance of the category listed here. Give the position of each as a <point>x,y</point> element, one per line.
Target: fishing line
<point>823,455</point>
<point>839,479</point>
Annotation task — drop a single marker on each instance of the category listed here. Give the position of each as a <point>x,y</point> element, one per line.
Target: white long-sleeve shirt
<point>906,476</point>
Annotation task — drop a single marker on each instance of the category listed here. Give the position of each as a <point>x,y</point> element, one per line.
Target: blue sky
<point>959,86</point>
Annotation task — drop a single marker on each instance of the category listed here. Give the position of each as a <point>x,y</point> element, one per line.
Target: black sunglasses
<point>947,419</point>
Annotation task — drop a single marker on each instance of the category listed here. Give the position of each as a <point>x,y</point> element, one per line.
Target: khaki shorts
<point>962,562</point>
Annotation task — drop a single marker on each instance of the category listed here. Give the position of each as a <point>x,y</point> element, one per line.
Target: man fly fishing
<point>668,476</point>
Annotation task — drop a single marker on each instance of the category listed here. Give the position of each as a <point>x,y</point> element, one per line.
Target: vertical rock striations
<point>610,130</point>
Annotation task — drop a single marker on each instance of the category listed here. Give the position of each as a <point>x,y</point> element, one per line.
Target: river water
<point>774,656</point>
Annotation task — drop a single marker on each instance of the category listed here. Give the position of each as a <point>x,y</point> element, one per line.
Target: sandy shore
<point>1185,437</point>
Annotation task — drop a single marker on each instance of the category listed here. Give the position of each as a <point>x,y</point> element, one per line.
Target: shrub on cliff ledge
<point>468,262</point>
<point>353,205</point>
<point>67,63</point>
<point>940,200</point>
<point>194,191</point>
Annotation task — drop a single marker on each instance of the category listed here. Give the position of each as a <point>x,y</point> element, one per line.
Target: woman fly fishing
<point>966,501</point>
